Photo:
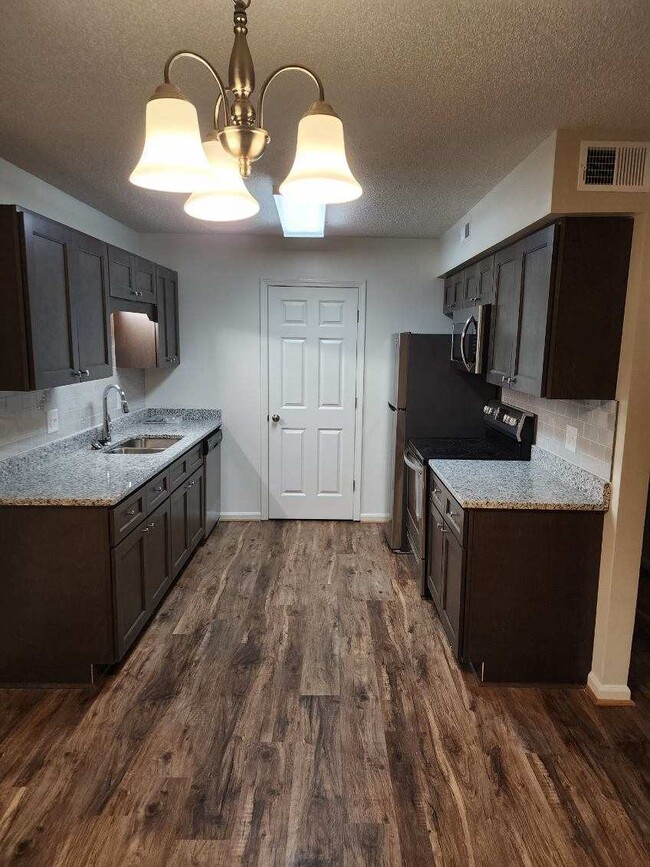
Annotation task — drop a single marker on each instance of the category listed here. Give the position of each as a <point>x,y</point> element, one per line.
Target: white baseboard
<point>241,516</point>
<point>373,517</point>
<point>608,693</point>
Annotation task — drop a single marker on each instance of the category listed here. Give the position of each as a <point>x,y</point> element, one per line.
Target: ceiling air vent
<point>622,167</point>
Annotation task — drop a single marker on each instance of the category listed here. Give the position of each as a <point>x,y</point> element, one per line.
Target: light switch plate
<point>571,438</point>
<point>52,420</point>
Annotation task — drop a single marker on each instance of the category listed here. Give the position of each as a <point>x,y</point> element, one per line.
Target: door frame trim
<point>310,283</point>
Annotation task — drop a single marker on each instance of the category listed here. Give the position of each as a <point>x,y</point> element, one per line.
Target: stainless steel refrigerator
<point>430,398</point>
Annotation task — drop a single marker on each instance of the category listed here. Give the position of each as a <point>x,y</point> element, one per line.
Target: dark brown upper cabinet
<point>54,328</point>
<point>454,292</point>
<point>168,343</point>
<point>131,277</point>
<point>558,314</point>
<point>558,300</point>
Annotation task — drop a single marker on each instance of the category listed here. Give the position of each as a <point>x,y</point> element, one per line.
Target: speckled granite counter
<point>545,482</point>
<point>70,473</point>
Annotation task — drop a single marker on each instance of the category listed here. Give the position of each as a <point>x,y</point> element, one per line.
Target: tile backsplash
<point>23,415</point>
<point>595,421</point>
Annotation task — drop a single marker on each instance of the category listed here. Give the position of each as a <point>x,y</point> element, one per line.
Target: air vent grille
<point>614,167</point>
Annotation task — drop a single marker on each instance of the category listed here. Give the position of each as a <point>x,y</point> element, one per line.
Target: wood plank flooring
<point>295,702</point>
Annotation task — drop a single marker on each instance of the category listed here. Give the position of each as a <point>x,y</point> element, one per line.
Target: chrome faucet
<point>106,427</point>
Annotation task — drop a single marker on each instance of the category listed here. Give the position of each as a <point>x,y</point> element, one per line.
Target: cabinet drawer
<point>438,494</point>
<point>455,517</point>
<point>448,506</point>
<point>157,490</point>
<point>127,515</point>
<point>183,468</point>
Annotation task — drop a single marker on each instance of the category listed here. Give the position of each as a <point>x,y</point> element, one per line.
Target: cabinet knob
<point>158,490</point>
<point>84,372</point>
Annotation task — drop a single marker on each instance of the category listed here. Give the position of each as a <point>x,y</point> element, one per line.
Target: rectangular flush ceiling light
<point>300,219</point>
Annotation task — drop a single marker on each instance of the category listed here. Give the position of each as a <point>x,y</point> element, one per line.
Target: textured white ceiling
<point>440,98</point>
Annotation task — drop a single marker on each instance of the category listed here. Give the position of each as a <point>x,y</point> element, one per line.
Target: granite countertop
<point>70,473</point>
<point>546,482</point>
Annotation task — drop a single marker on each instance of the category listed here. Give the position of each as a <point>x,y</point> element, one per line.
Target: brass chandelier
<point>174,159</point>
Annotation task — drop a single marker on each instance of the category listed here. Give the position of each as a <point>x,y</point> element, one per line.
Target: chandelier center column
<point>241,72</point>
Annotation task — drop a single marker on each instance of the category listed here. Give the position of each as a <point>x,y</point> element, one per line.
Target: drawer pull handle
<point>441,527</point>
<point>130,512</point>
<point>145,529</point>
<point>152,525</point>
<point>436,491</point>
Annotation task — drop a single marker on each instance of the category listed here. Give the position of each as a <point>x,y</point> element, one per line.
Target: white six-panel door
<point>312,382</point>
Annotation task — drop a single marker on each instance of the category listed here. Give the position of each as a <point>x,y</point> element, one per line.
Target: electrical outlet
<point>571,438</point>
<point>52,420</point>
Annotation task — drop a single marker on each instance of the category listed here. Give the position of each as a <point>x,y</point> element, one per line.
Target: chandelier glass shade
<point>175,160</point>
<point>227,198</point>
<point>320,172</point>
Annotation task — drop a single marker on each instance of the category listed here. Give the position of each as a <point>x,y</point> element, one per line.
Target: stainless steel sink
<point>142,445</point>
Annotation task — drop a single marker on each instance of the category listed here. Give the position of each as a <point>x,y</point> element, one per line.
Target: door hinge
<point>357,314</point>
<point>354,484</point>
<point>355,402</point>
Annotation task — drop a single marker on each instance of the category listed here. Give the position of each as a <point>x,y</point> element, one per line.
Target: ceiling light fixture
<point>174,160</point>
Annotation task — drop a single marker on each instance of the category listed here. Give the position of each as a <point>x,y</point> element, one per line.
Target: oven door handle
<point>463,335</point>
<point>417,468</point>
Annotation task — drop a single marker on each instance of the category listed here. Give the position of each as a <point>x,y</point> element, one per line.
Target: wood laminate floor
<point>295,702</point>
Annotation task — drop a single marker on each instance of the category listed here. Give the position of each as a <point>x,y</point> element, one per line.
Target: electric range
<point>508,435</point>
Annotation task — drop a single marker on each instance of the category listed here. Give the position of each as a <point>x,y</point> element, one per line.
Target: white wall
<point>519,200</point>
<point>18,187</point>
<point>220,336</point>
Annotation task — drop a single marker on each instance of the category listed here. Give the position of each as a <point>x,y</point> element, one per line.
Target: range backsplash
<point>594,419</point>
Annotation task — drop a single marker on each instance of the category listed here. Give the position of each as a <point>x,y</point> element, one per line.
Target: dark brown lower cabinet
<point>141,575</point>
<point>445,576</point>
<point>187,519</point>
<point>516,590</point>
<point>79,584</point>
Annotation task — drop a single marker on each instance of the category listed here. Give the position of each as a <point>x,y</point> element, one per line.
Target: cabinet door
<point>485,293</point>
<point>168,348</point>
<point>453,589</point>
<point>129,588</point>
<point>454,288</point>
<point>536,260</point>
<point>158,573</point>
<point>145,280</point>
<point>471,285</point>
<point>53,340</point>
<point>505,315</point>
<point>121,268</point>
<point>180,547</point>
<point>434,556</point>
<point>195,509</point>
<point>89,279</point>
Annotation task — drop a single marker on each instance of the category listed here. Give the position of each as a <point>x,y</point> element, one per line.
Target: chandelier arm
<point>222,89</point>
<point>274,75</point>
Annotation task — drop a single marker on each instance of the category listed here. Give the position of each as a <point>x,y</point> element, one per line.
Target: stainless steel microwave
<point>469,338</point>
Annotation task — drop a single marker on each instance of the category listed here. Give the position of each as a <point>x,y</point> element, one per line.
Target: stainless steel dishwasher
<point>212,448</point>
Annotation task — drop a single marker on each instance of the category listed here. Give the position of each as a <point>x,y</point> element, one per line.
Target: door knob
<point>275,417</point>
